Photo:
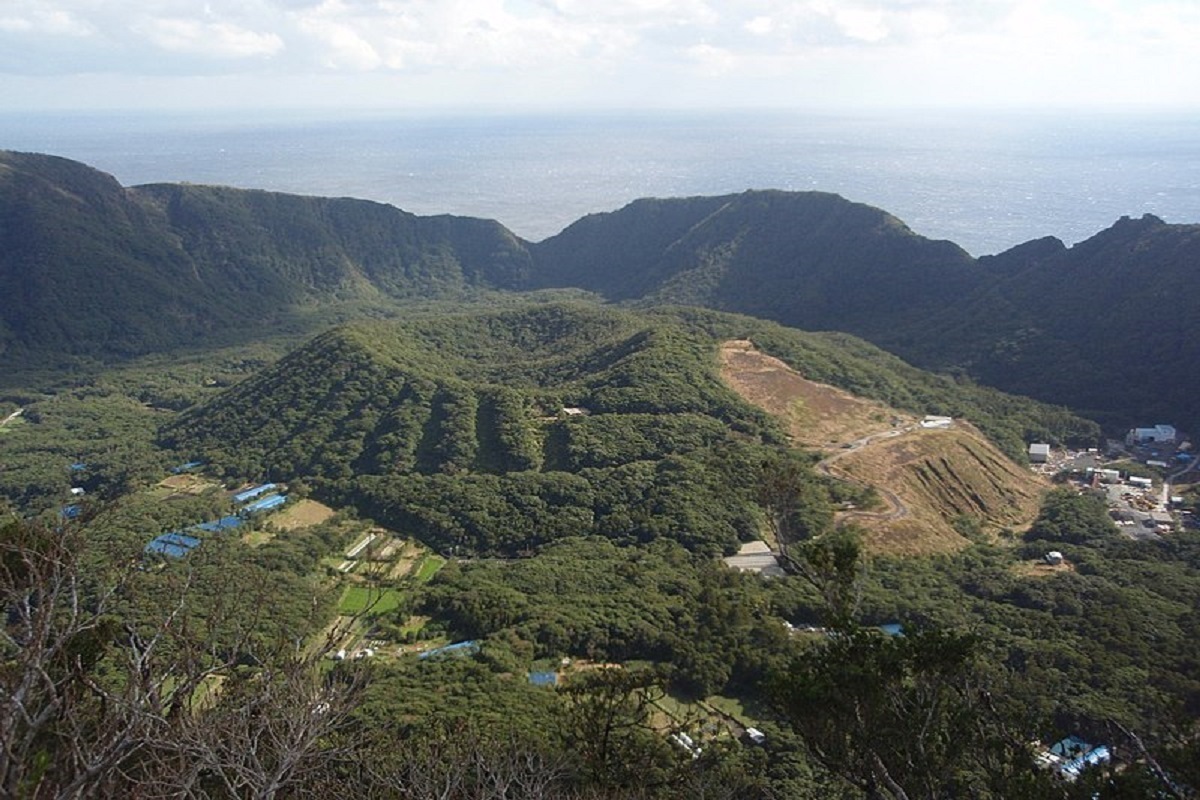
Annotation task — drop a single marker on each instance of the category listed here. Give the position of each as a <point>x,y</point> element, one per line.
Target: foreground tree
<point>92,704</point>
<point>907,717</point>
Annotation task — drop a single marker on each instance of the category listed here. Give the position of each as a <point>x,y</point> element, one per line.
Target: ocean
<point>985,181</point>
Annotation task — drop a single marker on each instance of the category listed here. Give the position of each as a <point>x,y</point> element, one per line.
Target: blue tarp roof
<point>172,544</point>
<point>71,512</point>
<point>78,466</point>
<point>252,492</point>
<point>892,629</point>
<point>187,466</point>
<point>165,549</point>
<point>181,539</point>
<point>452,649</point>
<point>1070,746</point>
<point>1072,768</point>
<point>218,525</point>
<point>543,678</point>
<point>268,502</point>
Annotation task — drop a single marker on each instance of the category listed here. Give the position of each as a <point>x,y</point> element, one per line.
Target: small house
<point>1054,558</point>
<point>1107,475</point>
<point>1039,453</point>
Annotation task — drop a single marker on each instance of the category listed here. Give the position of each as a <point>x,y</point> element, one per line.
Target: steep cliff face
<point>1106,327</point>
<point>87,266</point>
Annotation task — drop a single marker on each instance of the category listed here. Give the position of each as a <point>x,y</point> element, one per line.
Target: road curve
<point>896,507</point>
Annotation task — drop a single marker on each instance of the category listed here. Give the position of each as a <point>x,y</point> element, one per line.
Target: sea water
<point>987,181</point>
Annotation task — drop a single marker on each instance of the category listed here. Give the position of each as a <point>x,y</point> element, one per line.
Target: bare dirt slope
<point>926,478</point>
<point>816,414</point>
<point>940,476</point>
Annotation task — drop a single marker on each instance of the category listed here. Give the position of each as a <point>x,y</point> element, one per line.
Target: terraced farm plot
<point>428,567</point>
<point>186,483</point>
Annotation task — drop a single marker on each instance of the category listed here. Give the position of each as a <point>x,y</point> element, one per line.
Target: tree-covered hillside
<point>89,267</point>
<point>499,430</point>
<point>809,260</point>
<point>1105,327</point>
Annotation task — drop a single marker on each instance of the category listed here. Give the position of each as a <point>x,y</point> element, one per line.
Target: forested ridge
<point>89,268</point>
<point>498,431</point>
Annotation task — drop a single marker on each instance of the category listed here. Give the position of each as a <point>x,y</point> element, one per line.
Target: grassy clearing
<point>736,709</point>
<point>357,599</point>
<point>257,538</point>
<point>303,514</point>
<point>428,567</point>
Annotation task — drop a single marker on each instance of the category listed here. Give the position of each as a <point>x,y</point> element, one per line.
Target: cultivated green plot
<point>428,567</point>
<point>360,599</point>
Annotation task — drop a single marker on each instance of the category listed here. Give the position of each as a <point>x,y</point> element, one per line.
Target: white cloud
<point>760,26</point>
<point>711,60</point>
<point>214,39</point>
<point>865,24</point>
<point>591,50</point>
<point>42,19</point>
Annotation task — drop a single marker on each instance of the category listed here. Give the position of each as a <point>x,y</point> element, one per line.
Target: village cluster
<point>1135,477</point>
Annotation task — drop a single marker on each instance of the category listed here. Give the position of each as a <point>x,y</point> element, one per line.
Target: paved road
<point>1166,489</point>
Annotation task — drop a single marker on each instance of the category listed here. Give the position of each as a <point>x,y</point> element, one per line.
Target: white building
<point>1159,434</point>
<point>1039,453</point>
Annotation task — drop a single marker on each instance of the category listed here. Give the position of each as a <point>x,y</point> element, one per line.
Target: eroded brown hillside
<point>927,478</point>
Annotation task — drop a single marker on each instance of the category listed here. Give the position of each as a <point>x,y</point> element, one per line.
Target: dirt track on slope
<point>926,478</point>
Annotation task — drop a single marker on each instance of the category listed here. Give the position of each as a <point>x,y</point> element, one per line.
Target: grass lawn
<point>356,600</point>
<point>428,567</point>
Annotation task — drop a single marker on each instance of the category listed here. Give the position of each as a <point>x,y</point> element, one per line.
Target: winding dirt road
<point>896,507</point>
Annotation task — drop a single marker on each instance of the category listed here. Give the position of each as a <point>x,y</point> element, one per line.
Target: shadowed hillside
<point>807,259</point>
<point>90,268</point>
<point>87,266</point>
<point>1107,326</point>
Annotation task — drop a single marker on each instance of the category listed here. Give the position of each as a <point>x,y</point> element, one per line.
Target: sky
<point>596,54</point>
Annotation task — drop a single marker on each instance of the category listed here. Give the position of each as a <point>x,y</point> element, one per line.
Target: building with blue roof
<point>218,525</point>
<point>174,544</point>
<point>1072,755</point>
<point>252,492</point>
<point>265,504</point>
